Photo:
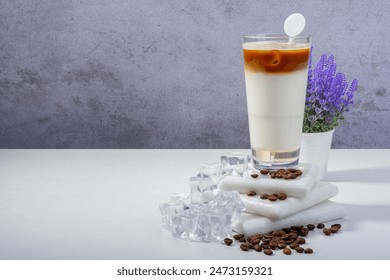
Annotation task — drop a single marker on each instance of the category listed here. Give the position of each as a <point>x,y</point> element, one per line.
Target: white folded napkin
<point>298,187</point>
<point>250,224</point>
<point>320,192</point>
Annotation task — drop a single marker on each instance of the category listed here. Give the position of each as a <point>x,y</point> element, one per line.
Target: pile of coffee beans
<point>274,196</point>
<point>333,229</point>
<point>270,197</point>
<point>286,239</point>
<point>286,174</point>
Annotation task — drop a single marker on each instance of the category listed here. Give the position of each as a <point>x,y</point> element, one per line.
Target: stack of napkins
<point>307,201</point>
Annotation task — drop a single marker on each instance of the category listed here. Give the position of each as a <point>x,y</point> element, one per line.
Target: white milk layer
<point>275,109</point>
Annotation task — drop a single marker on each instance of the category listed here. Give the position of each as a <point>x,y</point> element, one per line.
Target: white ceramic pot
<point>315,148</point>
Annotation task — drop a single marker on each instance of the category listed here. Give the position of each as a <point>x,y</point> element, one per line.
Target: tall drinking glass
<point>276,80</point>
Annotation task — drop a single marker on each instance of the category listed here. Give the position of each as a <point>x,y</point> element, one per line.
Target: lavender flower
<point>328,96</point>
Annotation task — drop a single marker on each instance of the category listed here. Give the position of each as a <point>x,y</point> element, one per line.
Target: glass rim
<point>274,36</point>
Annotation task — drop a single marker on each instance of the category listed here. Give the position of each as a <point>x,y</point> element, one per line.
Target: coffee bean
<point>327,231</point>
<point>298,173</point>
<point>304,232</point>
<point>251,193</point>
<point>272,198</point>
<point>297,228</point>
<point>244,247</point>
<point>264,171</point>
<point>292,176</point>
<point>281,245</point>
<point>269,235</point>
<point>299,249</point>
<point>294,245</point>
<point>264,196</point>
<point>308,251</point>
<point>259,236</point>
<point>282,196</point>
<point>249,238</point>
<point>238,236</point>
<point>336,225</point>
<point>268,252</point>
<point>301,240</point>
<point>228,241</point>
<point>286,230</point>
<point>258,248</point>
<point>278,233</point>
<point>311,226</point>
<point>273,246</point>
<point>285,236</point>
<point>273,175</point>
<point>334,229</point>
<point>321,225</point>
<point>265,245</point>
<point>286,176</point>
<point>254,176</point>
<point>287,251</point>
<point>255,241</point>
<point>242,239</point>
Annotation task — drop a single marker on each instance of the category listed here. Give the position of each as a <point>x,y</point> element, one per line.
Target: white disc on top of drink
<point>294,25</point>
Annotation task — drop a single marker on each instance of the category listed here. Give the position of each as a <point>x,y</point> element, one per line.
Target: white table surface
<point>103,204</point>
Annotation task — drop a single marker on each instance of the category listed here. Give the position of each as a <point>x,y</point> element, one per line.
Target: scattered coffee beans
<point>286,174</point>
<point>228,241</point>
<point>254,176</point>
<point>286,239</point>
<point>273,196</point>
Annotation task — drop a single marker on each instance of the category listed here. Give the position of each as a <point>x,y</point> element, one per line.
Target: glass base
<point>264,159</point>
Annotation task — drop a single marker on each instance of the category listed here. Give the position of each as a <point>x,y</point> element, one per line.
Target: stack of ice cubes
<point>207,213</point>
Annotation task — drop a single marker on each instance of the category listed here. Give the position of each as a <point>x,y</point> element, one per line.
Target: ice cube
<point>212,171</point>
<point>202,190</point>
<point>180,198</point>
<point>168,210</point>
<point>181,224</point>
<point>230,201</point>
<point>236,164</point>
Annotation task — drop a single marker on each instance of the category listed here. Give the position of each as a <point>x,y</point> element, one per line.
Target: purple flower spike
<point>328,95</point>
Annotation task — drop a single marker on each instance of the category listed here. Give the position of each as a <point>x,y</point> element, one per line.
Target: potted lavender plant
<point>328,97</point>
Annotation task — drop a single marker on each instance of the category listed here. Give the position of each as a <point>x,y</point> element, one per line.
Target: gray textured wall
<point>169,74</point>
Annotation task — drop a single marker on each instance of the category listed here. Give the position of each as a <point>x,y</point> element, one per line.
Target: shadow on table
<point>361,213</point>
<point>360,175</point>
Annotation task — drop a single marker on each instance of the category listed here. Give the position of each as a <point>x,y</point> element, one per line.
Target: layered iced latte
<point>276,80</point>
